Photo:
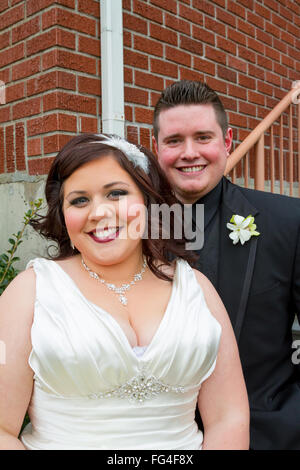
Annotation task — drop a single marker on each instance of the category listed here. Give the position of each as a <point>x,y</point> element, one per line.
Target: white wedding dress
<point>92,391</point>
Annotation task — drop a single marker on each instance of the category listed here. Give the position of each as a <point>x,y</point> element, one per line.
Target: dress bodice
<point>91,391</point>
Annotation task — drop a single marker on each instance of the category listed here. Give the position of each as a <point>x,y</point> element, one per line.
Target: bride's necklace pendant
<point>120,291</point>
<point>123,299</point>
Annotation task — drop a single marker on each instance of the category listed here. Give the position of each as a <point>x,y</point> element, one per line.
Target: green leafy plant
<point>7,271</point>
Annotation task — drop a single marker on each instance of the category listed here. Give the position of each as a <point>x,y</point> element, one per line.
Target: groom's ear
<point>155,146</point>
<point>228,140</point>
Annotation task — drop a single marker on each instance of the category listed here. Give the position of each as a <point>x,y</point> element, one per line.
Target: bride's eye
<point>116,193</point>
<point>79,201</point>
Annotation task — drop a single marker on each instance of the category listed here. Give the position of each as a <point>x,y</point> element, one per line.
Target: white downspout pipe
<point>112,67</point>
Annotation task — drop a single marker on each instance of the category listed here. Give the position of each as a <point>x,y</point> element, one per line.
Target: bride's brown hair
<point>153,185</point>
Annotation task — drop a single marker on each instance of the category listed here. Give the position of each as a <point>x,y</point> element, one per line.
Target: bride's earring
<point>72,245</point>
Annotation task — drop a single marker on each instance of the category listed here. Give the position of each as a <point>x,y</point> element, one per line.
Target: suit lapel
<point>236,261</point>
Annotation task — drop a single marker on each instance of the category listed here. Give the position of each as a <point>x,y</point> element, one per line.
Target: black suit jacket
<point>259,283</point>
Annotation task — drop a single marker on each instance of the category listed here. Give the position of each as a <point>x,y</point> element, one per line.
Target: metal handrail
<point>256,140</point>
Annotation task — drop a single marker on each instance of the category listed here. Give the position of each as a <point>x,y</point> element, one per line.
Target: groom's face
<point>191,149</point>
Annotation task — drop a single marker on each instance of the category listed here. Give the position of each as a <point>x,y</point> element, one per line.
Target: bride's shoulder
<point>212,298</point>
<point>25,281</point>
<point>17,300</point>
<point>201,278</point>
<point>207,287</point>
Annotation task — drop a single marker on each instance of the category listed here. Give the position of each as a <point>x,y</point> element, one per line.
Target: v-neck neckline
<point>111,318</point>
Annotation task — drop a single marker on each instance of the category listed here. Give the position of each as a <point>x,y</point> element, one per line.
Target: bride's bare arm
<point>16,377</point>
<point>223,401</point>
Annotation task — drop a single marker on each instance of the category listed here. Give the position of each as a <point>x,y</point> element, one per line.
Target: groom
<point>259,280</point>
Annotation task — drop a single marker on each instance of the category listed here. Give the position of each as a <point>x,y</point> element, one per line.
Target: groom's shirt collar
<point>211,203</point>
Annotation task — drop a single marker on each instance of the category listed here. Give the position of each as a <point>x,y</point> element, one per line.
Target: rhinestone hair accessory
<point>136,156</point>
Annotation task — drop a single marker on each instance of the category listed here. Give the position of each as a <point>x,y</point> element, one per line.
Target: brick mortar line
<point>60,7</point>
<point>39,55</point>
<point>165,10</point>
<point>128,103</point>
<point>11,44</point>
<point>4,153</point>
<point>75,12</point>
<point>139,124</point>
<point>221,23</point>
<point>25,120</point>
<point>217,35</point>
<point>236,15</point>
<point>50,134</point>
<point>41,74</point>
<point>41,12</point>
<point>51,90</point>
<point>139,69</point>
<point>131,86</point>
<point>39,158</point>
<point>62,48</point>
<point>77,33</point>
<point>203,56</point>
<point>148,20</point>
<point>47,113</point>
<point>227,56</point>
<point>38,34</point>
<point>137,15</point>
<point>59,48</point>
<point>146,107</point>
<point>163,25</point>
<point>14,146</point>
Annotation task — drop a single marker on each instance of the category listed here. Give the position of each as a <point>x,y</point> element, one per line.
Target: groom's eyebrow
<point>179,135</point>
<point>172,136</point>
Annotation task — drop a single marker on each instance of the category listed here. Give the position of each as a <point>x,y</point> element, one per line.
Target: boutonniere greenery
<point>243,228</point>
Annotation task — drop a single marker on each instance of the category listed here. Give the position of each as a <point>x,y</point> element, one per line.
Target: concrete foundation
<point>16,191</point>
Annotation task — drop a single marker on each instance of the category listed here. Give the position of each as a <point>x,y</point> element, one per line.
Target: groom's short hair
<point>186,92</point>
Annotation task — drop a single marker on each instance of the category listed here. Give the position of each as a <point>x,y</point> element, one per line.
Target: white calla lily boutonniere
<point>243,228</point>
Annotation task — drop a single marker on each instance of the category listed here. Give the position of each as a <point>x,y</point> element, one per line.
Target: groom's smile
<point>191,149</point>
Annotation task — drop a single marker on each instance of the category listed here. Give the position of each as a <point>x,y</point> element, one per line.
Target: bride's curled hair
<point>153,184</point>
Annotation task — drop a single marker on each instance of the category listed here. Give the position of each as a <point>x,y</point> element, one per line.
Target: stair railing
<point>287,135</point>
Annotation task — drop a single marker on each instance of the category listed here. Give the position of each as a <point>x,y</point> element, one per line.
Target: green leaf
<point>7,271</point>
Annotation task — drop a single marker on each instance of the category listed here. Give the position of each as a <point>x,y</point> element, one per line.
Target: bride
<point>108,344</point>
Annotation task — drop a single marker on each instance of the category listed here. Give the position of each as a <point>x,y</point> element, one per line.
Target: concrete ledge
<point>16,191</point>
<point>286,186</point>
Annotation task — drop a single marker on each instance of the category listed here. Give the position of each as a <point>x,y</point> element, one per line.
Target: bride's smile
<point>99,210</point>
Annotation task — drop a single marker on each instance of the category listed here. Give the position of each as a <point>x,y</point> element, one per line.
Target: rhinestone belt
<point>139,389</point>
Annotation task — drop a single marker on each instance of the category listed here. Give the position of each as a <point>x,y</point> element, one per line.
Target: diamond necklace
<point>120,291</point>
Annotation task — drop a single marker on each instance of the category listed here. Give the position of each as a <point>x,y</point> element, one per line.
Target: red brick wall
<point>247,50</point>
<point>50,62</point>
